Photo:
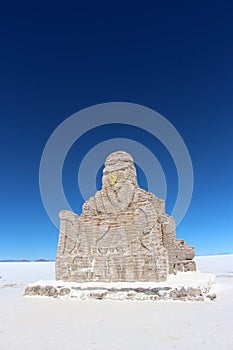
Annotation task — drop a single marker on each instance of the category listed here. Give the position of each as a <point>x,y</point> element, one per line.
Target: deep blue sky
<point>175,57</point>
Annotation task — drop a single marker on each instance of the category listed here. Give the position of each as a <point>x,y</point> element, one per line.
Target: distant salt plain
<point>47,323</point>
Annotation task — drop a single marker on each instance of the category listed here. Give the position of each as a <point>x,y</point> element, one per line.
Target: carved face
<point>118,178</point>
<point>119,168</point>
<point>112,179</point>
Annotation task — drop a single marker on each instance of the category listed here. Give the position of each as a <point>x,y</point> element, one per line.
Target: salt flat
<point>46,323</point>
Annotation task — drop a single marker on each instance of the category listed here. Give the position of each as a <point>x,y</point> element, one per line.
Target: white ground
<point>46,323</point>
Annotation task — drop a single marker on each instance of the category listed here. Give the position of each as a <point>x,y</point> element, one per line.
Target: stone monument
<point>122,235</point>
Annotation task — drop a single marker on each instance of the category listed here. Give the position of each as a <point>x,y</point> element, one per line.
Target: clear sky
<point>175,57</point>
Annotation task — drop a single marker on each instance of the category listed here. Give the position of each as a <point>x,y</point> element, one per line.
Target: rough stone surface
<point>128,293</point>
<point>123,233</point>
<point>48,291</point>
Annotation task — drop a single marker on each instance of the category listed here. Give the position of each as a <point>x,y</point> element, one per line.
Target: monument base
<point>185,286</point>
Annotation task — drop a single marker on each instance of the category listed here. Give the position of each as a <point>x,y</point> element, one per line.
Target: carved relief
<point>123,233</point>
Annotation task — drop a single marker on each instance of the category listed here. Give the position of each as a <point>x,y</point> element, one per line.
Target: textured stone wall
<point>123,233</point>
<point>79,292</point>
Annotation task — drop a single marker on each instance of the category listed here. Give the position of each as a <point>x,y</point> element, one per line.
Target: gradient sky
<point>56,59</point>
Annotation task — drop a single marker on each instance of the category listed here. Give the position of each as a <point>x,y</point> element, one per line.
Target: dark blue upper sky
<point>58,58</point>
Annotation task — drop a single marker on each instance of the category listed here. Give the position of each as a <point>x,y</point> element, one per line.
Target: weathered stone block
<point>123,233</point>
